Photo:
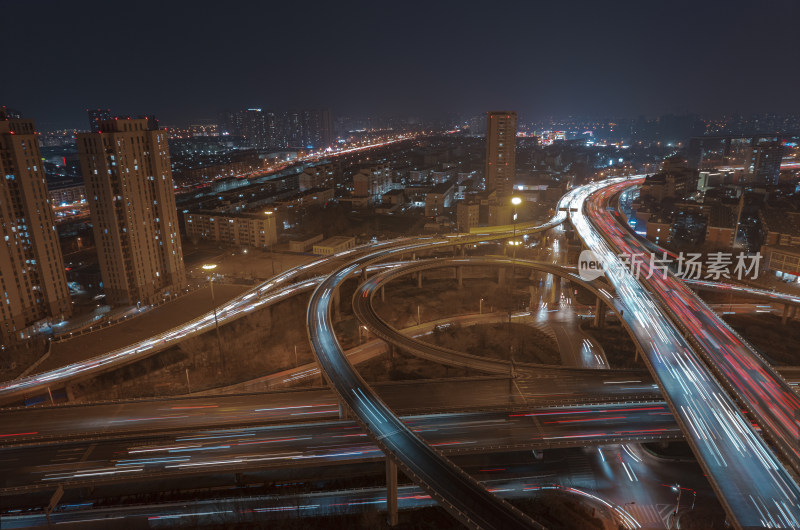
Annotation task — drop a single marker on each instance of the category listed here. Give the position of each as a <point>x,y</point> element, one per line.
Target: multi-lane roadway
<point>752,483</point>
<point>159,456</point>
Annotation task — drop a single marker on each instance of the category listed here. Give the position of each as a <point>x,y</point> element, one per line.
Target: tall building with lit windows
<point>33,284</point>
<point>96,116</point>
<point>501,143</point>
<point>765,163</point>
<point>129,189</point>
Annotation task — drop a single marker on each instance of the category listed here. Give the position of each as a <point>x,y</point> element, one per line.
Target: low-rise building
<point>658,230</point>
<point>782,261</point>
<point>439,177</point>
<point>417,176</point>
<point>721,226</point>
<point>675,180</point>
<point>439,198</point>
<point>304,243</point>
<point>500,214</point>
<point>394,197</point>
<point>333,245</point>
<point>321,176</point>
<point>67,194</point>
<point>244,229</point>
<point>467,215</point>
<point>372,182</point>
<point>780,226</point>
<point>308,197</point>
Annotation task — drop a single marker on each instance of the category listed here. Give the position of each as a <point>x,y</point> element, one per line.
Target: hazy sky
<point>184,61</point>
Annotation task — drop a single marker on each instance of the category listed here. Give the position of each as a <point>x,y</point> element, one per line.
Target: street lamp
<point>269,248</point>
<point>677,488</point>
<point>210,268</point>
<point>516,201</point>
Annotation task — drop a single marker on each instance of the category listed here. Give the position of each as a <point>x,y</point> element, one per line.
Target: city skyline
<point>622,60</point>
<point>509,265</point>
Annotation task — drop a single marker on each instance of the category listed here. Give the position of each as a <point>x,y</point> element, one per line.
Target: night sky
<point>185,61</point>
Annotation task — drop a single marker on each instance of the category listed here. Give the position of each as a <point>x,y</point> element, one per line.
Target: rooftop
<point>720,216</point>
<point>444,187</point>
<point>783,221</point>
<point>334,241</point>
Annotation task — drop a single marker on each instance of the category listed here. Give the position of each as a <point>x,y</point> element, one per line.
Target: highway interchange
<point>753,483</point>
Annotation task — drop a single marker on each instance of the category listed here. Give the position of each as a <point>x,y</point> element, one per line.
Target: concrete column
<point>599,313</point>
<point>363,274</point>
<point>501,276</point>
<point>383,293</point>
<point>460,277</point>
<point>391,492</point>
<point>392,351</point>
<point>344,413</point>
<point>419,280</point>
<point>462,250</point>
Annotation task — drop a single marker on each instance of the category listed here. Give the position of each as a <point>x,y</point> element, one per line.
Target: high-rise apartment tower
<point>501,142</point>
<point>33,284</point>
<point>129,189</point>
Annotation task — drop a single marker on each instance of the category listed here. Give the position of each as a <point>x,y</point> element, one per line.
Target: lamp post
<point>269,214</point>
<point>516,201</point>
<point>677,488</point>
<point>210,268</point>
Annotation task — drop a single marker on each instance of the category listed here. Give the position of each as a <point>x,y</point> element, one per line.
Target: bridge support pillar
<point>789,313</point>
<point>599,313</point>
<point>460,277</point>
<point>54,500</point>
<point>392,351</point>
<point>391,492</point>
<point>419,280</point>
<point>363,274</point>
<point>554,291</point>
<point>638,354</point>
<point>70,393</point>
<point>383,293</point>
<point>344,413</point>
<point>501,276</point>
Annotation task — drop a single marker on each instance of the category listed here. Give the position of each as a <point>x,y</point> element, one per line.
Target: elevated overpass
<point>364,310</point>
<point>458,493</point>
<point>752,484</point>
<point>161,456</point>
